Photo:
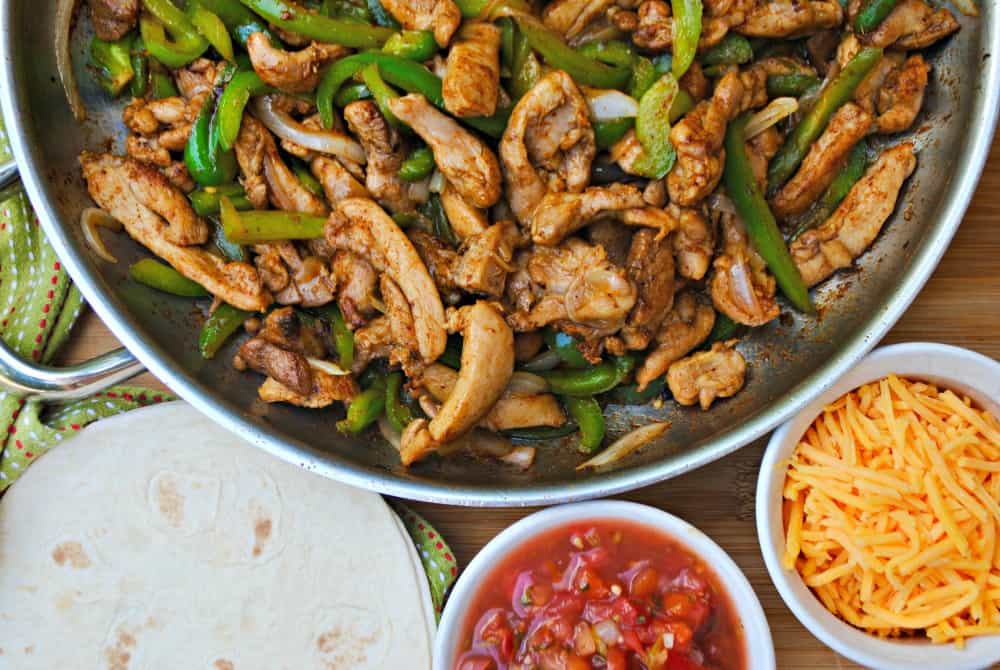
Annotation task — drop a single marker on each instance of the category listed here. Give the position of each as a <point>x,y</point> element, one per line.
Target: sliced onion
<point>521,457</point>
<point>430,407</point>
<point>391,435</point>
<point>90,219</point>
<point>64,61</point>
<point>626,444</point>
<point>328,367</point>
<point>284,126</point>
<point>776,110</point>
<point>967,7</point>
<point>608,104</point>
<point>526,383</point>
<point>436,183</point>
<point>546,360</point>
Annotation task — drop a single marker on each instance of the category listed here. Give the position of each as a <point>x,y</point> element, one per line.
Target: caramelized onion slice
<point>90,219</point>
<point>64,61</point>
<point>626,444</point>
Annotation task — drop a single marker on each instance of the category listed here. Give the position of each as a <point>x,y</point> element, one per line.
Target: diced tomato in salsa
<point>602,595</point>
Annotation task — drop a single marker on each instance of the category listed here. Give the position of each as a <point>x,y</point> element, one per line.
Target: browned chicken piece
<point>197,80</point>
<point>355,279</point>
<point>284,328</point>
<point>761,149</point>
<point>902,96</point>
<point>913,24</point>
<point>440,259</point>
<point>250,148</point>
<point>465,219</point>
<point>472,80</point>
<point>326,390</point>
<point>699,135</point>
<point>561,214</point>
<point>717,373</point>
<point>548,144</point>
<point>271,267</point>
<point>361,226</point>
<point>627,151</point>
<point>487,365</point>
<point>788,19</point>
<point>573,282</point>
<point>859,218</point>
<point>284,189</point>
<point>148,117</point>
<point>290,368</point>
<point>650,266</point>
<point>440,16</point>
<point>826,156</point>
<point>465,160</point>
<point>570,17</point>
<point>372,341</point>
<point>614,237</point>
<point>486,260</point>
<point>113,19</point>
<point>291,71</point>
<point>386,152</point>
<point>695,82</point>
<point>527,346</point>
<point>178,175</point>
<point>656,27</point>
<point>512,410</point>
<point>161,127</point>
<point>741,287</point>
<point>159,217</point>
<point>684,328</point>
<point>294,280</point>
<point>694,242</point>
<point>337,181</point>
<point>405,348</point>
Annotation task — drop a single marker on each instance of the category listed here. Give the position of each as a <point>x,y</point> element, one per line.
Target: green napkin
<point>38,307</point>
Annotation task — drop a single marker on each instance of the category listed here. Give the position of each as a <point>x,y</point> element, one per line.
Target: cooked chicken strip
<point>650,266</point>
<point>859,218</point>
<point>570,17</point>
<point>694,242</point>
<point>913,24</point>
<point>441,16</point>
<point>337,181</point>
<point>285,190</point>
<point>291,71</point>
<point>135,194</point>
<point>826,156</point>
<point>760,150</point>
<point>464,159</point>
<point>404,348</point>
<point>113,19</point>
<point>197,80</point>
<point>787,19</point>
<point>294,280</point>
<point>465,219</point>
<point>472,80</point>
<point>548,144</point>
<point>559,215</point>
<point>902,96</point>
<point>440,259</point>
<point>655,29</point>
<point>355,279</point>
<point>290,368</point>
<point>487,365</point>
<point>386,152</point>
<point>326,390</point>
<point>361,226</point>
<point>486,260</point>
<point>741,287</point>
<point>284,328</point>
<point>250,147</point>
<point>684,328</point>
<point>717,373</point>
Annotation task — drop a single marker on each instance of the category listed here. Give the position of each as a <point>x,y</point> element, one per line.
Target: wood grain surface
<point>960,305</point>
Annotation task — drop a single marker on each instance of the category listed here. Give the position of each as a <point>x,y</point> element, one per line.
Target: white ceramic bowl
<point>951,367</point>
<point>759,647</point>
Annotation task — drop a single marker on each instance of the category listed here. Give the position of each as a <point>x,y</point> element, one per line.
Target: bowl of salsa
<point>604,585</point>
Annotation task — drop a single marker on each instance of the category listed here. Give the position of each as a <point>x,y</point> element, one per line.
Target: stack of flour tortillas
<point>156,539</point>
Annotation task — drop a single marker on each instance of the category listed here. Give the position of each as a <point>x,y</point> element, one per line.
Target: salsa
<point>601,595</point>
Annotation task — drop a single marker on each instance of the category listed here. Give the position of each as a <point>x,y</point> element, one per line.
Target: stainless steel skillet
<point>792,360</point>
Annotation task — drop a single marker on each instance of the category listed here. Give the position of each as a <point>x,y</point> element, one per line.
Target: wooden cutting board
<point>960,305</point>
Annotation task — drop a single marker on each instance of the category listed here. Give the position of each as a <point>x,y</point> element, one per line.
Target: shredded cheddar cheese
<point>892,506</point>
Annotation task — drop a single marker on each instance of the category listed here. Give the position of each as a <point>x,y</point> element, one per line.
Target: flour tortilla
<point>156,540</point>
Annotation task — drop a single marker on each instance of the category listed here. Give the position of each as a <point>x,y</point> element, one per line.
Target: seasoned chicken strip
<point>487,365</point>
<point>548,144</point>
<point>741,287</point>
<point>787,19</point>
<point>113,19</point>
<point>570,17</point>
<point>913,24</point>
<point>465,219</point>
<point>148,205</point>
<point>902,95</point>
<point>650,266</point>
<point>291,71</point>
<point>684,328</point>
<point>472,81</point>
<point>486,260</point>
<point>440,16</point>
<point>826,156</point>
<point>284,189</point>
<point>289,368</point>
<point>857,221</point>
<point>361,226</point>
<point>326,390</point>
<point>717,373</point>
<point>337,181</point>
<point>464,159</point>
<point>694,242</point>
<point>355,279</point>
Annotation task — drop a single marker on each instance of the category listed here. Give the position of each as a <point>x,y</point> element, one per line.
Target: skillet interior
<point>792,359</point>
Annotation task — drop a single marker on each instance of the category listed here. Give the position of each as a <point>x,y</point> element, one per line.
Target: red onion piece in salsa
<point>602,595</point>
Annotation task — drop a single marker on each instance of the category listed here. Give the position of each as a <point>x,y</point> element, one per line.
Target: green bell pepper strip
<point>396,411</point>
<point>219,327</point>
<point>296,19</point>
<point>212,28</point>
<point>872,13</point>
<point>853,170</point>
<point>606,133</point>
<point>687,32</point>
<point>346,9</point>
<point>241,22</point>
<point>233,101</point>
<point>268,226</point>
<point>794,85</point>
<point>762,229</point>
<point>343,338</point>
<point>351,93</point>
<point>723,329</point>
<point>206,200</point>
<point>162,85</point>
<point>566,346</point>
<point>381,92</point>
<point>206,162</point>
<point>302,173</point>
<point>472,9</point>
<point>629,394</point>
<point>418,45</point>
<point>839,91</point>
<point>541,433</point>
<point>652,129</point>
<point>734,49</point>
<point>507,32</point>
<point>112,62</point>
<point>419,164</point>
<point>610,52</point>
<point>365,408</point>
<point>139,85</point>
<point>164,278</point>
<point>587,414</point>
<point>381,16</point>
<point>585,70</point>
<point>525,70</point>
<point>184,45</point>
<point>644,75</point>
<point>594,380</point>
<point>229,249</point>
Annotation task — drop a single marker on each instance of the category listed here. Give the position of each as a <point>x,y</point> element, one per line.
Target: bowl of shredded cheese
<point>878,510</point>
